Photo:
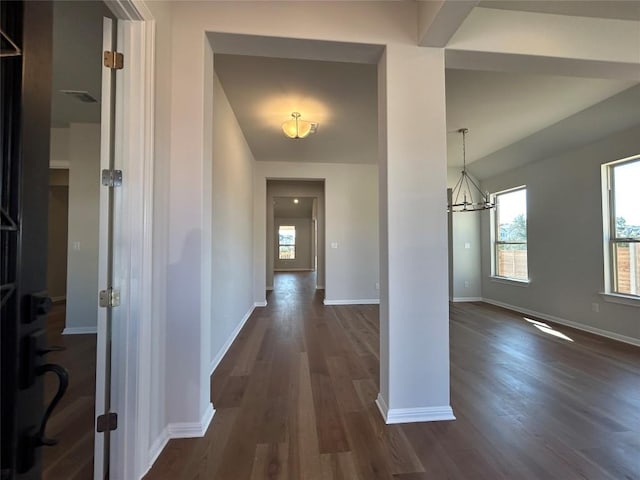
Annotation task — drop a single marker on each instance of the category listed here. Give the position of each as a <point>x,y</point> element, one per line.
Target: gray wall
<point>303,260</point>
<point>82,261</point>
<point>565,238</point>
<point>232,256</point>
<point>464,246</point>
<point>57,235</point>
<point>350,271</point>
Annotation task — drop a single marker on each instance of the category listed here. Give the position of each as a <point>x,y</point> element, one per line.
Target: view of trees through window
<point>511,235</point>
<point>287,242</point>
<point>625,234</point>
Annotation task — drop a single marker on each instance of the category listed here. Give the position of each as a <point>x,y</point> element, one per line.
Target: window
<point>510,235</point>
<point>287,242</point>
<point>622,232</point>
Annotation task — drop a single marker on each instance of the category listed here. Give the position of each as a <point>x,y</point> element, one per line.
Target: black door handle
<point>63,383</point>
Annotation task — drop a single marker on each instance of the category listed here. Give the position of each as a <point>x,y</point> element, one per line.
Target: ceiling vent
<point>81,95</point>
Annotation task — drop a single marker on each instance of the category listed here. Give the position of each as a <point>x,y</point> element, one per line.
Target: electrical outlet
<point>76,246</point>
<point>466,284</point>
<point>467,245</point>
<point>595,307</point>
<point>377,285</point>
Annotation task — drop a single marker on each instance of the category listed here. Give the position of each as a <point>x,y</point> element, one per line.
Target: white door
<point>103,438</point>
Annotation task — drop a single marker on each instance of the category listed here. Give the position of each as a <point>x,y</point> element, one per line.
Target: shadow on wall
<point>183,309</point>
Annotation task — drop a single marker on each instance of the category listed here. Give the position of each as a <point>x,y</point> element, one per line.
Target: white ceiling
<point>340,96</point>
<point>77,59</point>
<point>499,109</point>
<point>285,207</point>
<point>622,10</point>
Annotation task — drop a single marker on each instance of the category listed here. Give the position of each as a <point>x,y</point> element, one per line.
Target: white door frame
<point>133,211</point>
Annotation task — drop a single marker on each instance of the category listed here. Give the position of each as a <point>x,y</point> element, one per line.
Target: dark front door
<point>25,71</point>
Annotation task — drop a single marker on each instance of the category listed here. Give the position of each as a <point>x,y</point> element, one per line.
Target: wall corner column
<point>414,309</point>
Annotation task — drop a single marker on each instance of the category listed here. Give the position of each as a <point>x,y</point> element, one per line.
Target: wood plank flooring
<point>73,419</point>
<point>295,400</point>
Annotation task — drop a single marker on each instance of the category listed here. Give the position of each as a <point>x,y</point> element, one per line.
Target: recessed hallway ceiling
<point>340,96</point>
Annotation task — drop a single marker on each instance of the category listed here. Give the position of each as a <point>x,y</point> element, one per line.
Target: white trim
<point>382,406</point>
<point>61,298</point>
<point>621,299</point>
<point>269,289</point>
<point>192,429</point>
<point>510,281</point>
<point>568,323</point>
<point>293,270</point>
<point>413,415</point>
<point>365,301</point>
<point>60,164</point>
<point>157,446</point>
<point>80,330</point>
<point>261,304</point>
<point>466,299</point>
<point>133,252</point>
<point>223,350</point>
<point>319,287</point>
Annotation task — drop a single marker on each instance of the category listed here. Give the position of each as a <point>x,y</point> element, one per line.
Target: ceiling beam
<point>438,20</point>
<point>502,40</point>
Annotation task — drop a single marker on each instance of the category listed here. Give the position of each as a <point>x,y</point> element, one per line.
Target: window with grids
<point>287,242</point>
<point>622,234</point>
<point>510,235</point>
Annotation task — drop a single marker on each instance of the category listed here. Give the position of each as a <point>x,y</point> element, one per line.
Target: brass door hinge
<point>113,60</point>
<point>107,422</point>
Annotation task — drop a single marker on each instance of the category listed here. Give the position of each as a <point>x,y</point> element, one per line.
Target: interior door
<point>25,72</point>
<point>106,420</point>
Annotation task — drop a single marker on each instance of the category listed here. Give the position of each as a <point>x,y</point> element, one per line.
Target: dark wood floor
<point>295,400</point>
<point>72,421</point>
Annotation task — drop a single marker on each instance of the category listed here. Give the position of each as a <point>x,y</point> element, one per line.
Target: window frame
<point>495,235</point>
<point>287,244</point>
<point>611,239</point>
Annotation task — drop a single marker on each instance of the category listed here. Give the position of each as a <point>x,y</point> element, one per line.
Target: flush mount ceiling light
<point>466,189</point>
<point>296,128</point>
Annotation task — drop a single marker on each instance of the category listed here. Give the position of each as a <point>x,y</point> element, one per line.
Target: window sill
<point>629,300</point>
<point>510,281</point>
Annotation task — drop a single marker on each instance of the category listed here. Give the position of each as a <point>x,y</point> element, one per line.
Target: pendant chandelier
<point>466,189</point>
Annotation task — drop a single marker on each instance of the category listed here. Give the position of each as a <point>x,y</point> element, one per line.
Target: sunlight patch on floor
<point>546,328</point>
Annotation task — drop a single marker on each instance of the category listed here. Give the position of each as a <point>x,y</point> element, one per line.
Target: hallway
<point>294,399</point>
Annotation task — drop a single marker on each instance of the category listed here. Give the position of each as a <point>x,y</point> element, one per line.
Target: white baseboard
<point>293,270</point>
<point>319,287</point>
<point>568,323</point>
<point>263,303</point>
<point>223,350</point>
<point>80,330</point>
<point>60,164</point>
<point>366,301</point>
<point>467,299</point>
<point>156,448</point>
<point>412,415</point>
<point>61,298</point>
<point>269,289</point>
<point>192,429</point>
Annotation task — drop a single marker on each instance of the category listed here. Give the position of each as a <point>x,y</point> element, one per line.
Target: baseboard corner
<point>80,331</point>
<point>192,429</point>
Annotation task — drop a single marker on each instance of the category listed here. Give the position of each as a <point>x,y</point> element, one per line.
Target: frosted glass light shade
<point>296,128</point>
